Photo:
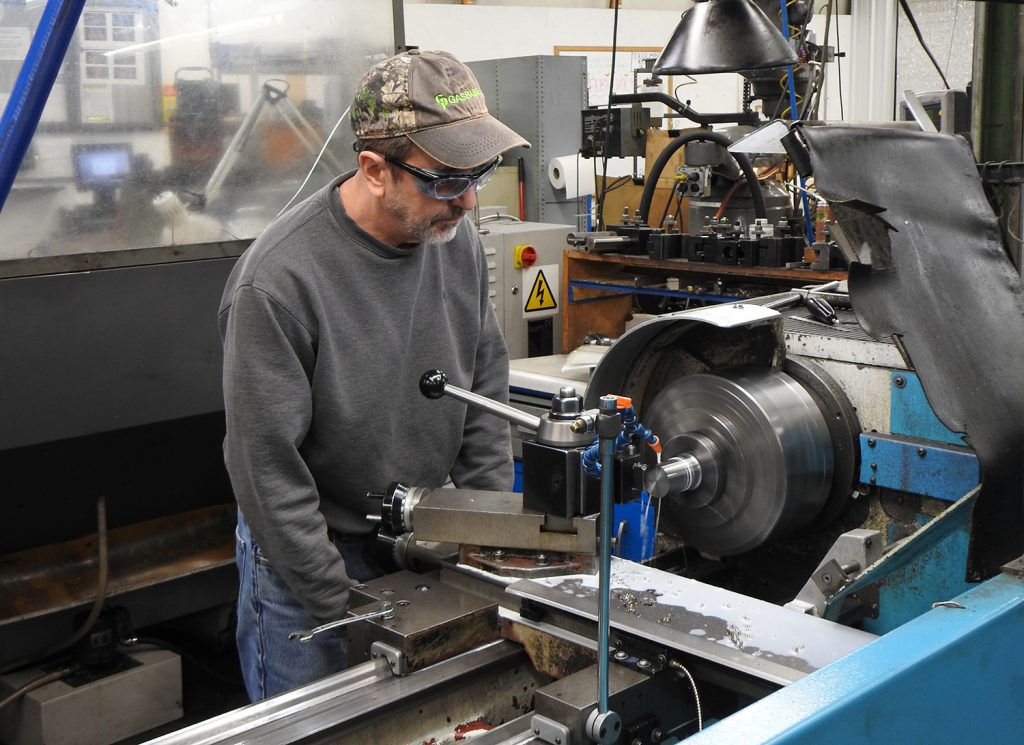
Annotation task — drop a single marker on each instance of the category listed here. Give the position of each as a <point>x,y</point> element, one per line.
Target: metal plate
<point>432,621</point>
<point>649,356</point>
<point>496,519</point>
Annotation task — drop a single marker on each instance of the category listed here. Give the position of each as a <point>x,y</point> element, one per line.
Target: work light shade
<point>724,36</point>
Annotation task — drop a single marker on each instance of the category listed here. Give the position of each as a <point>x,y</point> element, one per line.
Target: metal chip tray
<point>766,641</point>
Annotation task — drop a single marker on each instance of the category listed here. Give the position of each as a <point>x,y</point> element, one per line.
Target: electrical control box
<point>628,135</point>
<point>524,260</point>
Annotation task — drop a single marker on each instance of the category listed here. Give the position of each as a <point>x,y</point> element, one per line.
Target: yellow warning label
<point>541,297</point>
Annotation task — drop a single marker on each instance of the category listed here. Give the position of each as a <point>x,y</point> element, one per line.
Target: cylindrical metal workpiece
<point>678,474</point>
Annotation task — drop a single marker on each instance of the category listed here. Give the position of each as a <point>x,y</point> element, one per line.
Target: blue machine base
<point>897,689</point>
<point>637,536</point>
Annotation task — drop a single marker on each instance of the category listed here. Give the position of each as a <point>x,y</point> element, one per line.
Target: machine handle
<point>434,384</point>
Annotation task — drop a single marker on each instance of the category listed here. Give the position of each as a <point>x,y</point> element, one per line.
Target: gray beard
<point>421,233</point>
<point>439,235</point>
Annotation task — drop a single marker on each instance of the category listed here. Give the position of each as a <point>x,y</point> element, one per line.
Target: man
<point>328,321</point>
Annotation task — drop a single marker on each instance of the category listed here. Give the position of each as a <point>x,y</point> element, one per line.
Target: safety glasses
<point>447,187</point>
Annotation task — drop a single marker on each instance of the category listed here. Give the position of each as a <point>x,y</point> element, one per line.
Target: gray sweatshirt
<point>326,332</point>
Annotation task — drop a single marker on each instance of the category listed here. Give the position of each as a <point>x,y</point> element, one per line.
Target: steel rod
<point>508,413</point>
<point>607,408</point>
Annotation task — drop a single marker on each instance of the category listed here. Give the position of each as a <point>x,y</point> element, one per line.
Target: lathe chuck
<point>765,454</point>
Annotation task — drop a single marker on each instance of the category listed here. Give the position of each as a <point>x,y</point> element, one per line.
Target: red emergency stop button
<point>525,256</point>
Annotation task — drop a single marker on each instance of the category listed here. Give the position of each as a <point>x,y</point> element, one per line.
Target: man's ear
<point>376,172</point>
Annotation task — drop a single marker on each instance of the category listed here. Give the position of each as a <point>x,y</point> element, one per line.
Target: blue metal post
<point>32,88</point>
<point>808,225</point>
<point>608,408</point>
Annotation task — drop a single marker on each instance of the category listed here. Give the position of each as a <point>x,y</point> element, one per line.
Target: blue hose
<point>631,427</point>
<point>32,88</point>
<point>808,225</point>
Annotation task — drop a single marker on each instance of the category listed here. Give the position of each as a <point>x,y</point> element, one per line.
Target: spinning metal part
<point>765,453</point>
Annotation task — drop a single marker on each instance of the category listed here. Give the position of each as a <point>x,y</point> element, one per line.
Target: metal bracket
<point>850,555</point>
<point>639,655</point>
<point>550,731</point>
<point>1014,568</point>
<point>396,660</point>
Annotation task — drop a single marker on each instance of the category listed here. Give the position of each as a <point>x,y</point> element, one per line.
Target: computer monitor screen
<point>101,166</point>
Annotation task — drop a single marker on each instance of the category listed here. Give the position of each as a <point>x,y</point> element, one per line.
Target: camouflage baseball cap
<point>435,101</point>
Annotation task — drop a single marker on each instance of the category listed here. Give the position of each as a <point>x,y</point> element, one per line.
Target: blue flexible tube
<point>32,88</point>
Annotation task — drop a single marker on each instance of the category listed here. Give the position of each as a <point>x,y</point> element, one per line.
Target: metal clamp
<point>387,611</point>
<point>395,658</point>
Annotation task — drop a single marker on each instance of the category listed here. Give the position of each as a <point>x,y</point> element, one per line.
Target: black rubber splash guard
<point>932,272</point>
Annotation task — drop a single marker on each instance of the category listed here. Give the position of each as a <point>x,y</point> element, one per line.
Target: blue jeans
<point>267,612</point>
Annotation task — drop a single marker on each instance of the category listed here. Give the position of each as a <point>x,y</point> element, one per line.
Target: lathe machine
<point>834,514</point>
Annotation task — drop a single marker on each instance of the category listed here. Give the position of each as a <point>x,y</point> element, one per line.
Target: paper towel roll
<point>573,174</point>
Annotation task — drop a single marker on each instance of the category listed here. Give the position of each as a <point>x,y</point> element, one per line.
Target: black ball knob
<point>433,383</point>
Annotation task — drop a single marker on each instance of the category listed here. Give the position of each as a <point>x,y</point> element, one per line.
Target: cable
<point>676,665</point>
<point>725,200</point>
<point>668,203</point>
<point>690,80</point>
<point>608,121</point>
<point>97,606</point>
<point>579,196</point>
<point>811,103</point>
<point>824,44</point>
<point>619,183</point>
<point>39,682</point>
<point>316,162</point>
<point>497,216</point>
<point>952,34</point>
<point>920,39</point>
<point>808,227</point>
<point>1007,196</point>
<point>839,68</point>
<point>616,184</point>
<point>651,178</point>
<point>736,185</point>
